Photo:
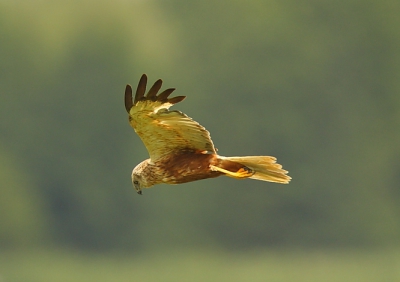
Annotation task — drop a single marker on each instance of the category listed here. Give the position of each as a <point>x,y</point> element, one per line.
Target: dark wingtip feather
<point>164,95</point>
<point>152,94</point>
<point>141,89</point>
<point>176,99</point>
<point>128,98</point>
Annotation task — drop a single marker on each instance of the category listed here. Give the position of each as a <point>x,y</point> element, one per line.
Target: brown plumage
<point>180,149</point>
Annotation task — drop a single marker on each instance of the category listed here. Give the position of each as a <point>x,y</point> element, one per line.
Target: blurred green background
<point>314,83</point>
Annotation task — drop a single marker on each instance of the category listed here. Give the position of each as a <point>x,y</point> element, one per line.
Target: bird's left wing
<point>162,131</point>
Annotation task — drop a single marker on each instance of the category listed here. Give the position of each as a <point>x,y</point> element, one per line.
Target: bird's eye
<point>136,182</point>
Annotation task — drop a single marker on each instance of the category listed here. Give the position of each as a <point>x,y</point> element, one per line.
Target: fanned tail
<point>262,168</point>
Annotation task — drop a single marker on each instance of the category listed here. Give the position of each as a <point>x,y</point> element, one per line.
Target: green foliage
<point>314,84</point>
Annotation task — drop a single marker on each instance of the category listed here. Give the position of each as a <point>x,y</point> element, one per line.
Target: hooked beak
<point>137,187</point>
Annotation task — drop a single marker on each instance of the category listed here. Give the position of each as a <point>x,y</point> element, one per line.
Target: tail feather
<point>265,168</point>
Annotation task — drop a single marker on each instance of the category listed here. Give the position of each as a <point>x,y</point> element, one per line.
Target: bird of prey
<point>181,149</point>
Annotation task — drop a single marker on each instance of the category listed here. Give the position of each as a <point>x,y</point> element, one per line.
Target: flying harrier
<point>180,149</point>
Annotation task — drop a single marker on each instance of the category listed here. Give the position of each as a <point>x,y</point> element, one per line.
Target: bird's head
<point>138,177</point>
<point>136,182</point>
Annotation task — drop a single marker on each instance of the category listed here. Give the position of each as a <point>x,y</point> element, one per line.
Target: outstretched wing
<point>162,131</point>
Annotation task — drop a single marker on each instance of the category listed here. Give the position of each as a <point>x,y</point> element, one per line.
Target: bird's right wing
<point>163,131</point>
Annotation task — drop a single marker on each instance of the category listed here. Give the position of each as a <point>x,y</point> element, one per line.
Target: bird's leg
<point>243,172</point>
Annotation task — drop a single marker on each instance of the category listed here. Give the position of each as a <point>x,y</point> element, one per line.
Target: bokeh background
<point>314,83</point>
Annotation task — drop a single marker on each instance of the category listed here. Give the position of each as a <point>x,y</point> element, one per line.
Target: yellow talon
<point>243,172</point>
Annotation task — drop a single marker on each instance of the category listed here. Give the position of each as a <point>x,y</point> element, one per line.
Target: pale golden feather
<point>163,131</point>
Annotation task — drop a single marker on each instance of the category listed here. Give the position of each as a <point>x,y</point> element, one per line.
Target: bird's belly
<point>189,167</point>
